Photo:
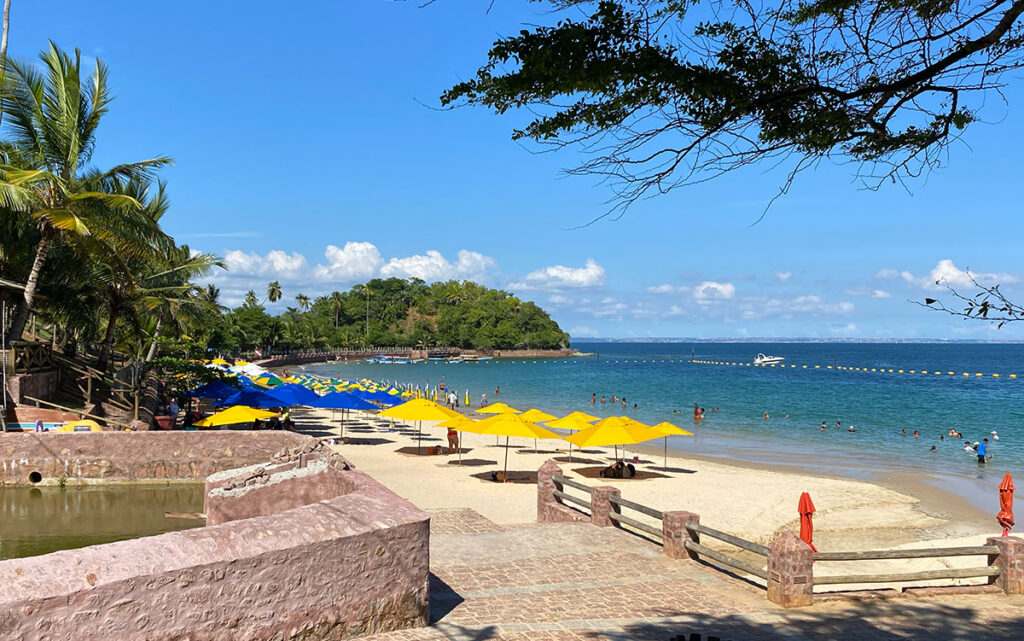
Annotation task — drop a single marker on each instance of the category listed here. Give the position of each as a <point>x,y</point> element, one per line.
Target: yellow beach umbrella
<point>574,416</point>
<point>497,408</point>
<point>614,430</point>
<point>537,416</point>
<point>509,425</point>
<point>668,429</point>
<point>219,361</point>
<point>80,426</point>
<point>419,410</point>
<point>235,414</point>
<point>576,421</point>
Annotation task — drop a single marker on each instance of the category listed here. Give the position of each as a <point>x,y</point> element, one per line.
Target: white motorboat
<point>761,359</point>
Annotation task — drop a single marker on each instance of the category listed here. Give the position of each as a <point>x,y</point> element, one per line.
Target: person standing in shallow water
<point>982,451</point>
<point>593,398</point>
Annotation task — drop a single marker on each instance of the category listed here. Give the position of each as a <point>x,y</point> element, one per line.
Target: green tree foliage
<point>664,93</point>
<point>396,312</point>
<point>52,115</point>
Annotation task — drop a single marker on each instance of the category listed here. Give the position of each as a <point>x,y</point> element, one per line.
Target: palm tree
<point>336,302</point>
<point>303,301</point>
<point>168,289</point>
<point>52,118</point>
<point>3,41</point>
<point>274,292</point>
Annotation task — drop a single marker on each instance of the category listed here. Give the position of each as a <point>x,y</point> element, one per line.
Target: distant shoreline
<point>810,341</point>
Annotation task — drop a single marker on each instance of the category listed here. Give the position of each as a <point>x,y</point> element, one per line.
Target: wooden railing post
<point>1010,562</point>
<point>675,534</point>
<point>600,506</point>
<point>790,571</point>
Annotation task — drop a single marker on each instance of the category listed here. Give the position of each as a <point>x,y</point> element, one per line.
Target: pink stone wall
<point>134,456</point>
<point>223,504</point>
<point>333,569</point>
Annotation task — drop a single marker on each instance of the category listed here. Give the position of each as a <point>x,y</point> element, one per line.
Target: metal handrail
<point>750,546</point>
<point>639,507</point>
<point>571,499</point>
<point>927,575</point>
<point>917,553</point>
<point>571,483</point>
<point>644,527</point>
<point>725,559</point>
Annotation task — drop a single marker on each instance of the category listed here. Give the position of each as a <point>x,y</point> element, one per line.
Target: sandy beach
<point>751,501</point>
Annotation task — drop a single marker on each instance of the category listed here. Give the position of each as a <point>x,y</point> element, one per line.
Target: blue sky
<point>306,151</point>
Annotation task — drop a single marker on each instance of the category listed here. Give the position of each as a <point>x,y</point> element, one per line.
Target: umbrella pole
<point>419,435</point>
<point>534,446</point>
<point>666,452</point>
<point>506,459</point>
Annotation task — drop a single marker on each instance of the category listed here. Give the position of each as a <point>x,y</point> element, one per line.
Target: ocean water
<point>659,378</point>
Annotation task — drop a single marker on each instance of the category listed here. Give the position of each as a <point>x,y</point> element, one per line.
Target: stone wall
<point>134,456</point>
<point>41,385</point>
<point>349,565</point>
<point>263,489</point>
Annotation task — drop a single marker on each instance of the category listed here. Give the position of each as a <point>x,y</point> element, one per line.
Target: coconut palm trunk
<point>25,306</point>
<point>156,334</point>
<point>108,340</point>
<point>3,42</point>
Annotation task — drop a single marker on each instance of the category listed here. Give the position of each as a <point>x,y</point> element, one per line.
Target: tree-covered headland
<point>392,311</point>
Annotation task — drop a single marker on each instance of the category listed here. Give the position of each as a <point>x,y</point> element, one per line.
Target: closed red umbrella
<point>806,509</point>
<point>1005,516</point>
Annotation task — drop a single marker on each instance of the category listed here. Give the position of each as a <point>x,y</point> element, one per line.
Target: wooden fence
<point>788,563</point>
<point>27,357</point>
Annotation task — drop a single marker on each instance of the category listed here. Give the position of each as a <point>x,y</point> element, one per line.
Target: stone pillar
<point>674,534</point>
<point>1010,562</point>
<point>601,507</point>
<point>545,489</point>
<point>790,571</point>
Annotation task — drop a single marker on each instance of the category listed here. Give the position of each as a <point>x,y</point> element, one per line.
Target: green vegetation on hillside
<point>392,312</point>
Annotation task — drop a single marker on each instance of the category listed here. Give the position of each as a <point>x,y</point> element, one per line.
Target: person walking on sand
<point>453,441</point>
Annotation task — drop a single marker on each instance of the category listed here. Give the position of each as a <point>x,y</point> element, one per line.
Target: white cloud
<point>709,291</point>
<point>354,261</point>
<point>558,299</point>
<point>275,263</point>
<point>582,331</point>
<point>667,289</point>
<point>343,266</point>
<point>434,266</point>
<point>783,276</point>
<point>945,273</point>
<point>560,277</point>
<point>867,291</point>
<point>814,304</point>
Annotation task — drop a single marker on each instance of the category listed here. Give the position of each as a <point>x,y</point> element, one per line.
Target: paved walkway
<point>567,582</point>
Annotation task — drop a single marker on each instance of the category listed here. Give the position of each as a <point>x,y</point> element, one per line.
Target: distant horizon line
<point>793,339</point>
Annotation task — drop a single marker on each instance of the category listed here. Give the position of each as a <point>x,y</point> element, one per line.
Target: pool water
<point>41,520</point>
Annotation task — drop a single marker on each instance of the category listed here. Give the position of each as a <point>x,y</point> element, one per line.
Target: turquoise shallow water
<point>659,378</point>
